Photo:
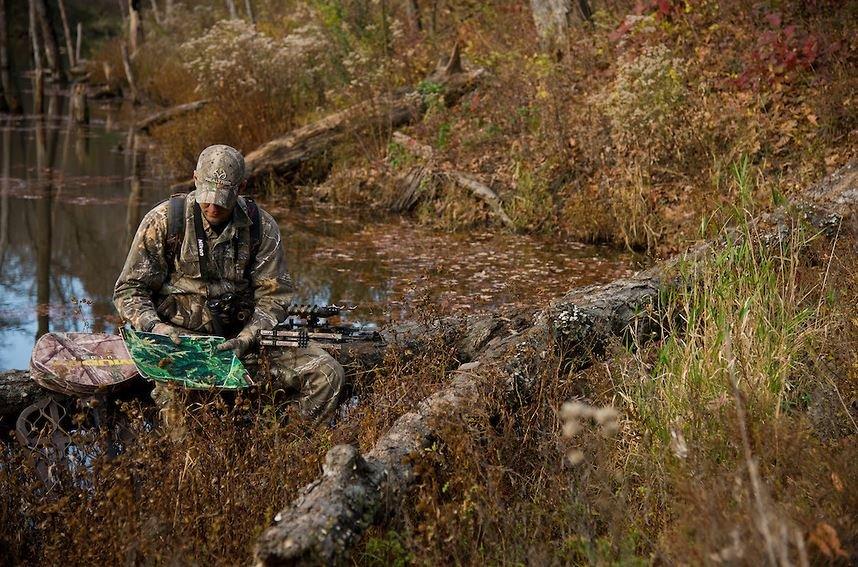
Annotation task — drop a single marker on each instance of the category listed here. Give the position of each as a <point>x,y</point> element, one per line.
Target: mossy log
<point>356,490</point>
<point>286,154</point>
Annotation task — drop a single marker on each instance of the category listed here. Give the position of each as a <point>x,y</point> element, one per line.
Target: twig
<point>753,470</point>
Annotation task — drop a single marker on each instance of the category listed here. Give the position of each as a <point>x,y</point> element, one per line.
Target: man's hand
<point>239,345</point>
<point>170,330</point>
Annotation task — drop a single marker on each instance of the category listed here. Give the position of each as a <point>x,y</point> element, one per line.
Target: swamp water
<point>71,198</point>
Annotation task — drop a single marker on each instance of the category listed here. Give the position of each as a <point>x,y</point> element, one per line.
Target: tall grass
<point>716,413</point>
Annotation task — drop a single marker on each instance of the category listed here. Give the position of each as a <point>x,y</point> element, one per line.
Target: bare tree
<point>230,7</point>
<point>135,26</point>
<point>553,19</point>
<point>156,12</point>
<point>78,42</point>
<point>52,51</point>
<point>44,234</point>
<point>66,33</point>
<point>412,11</point>
<point>129,75</point>
<point>10,99</point>
<point>4,193</point>
<point>38,86</point>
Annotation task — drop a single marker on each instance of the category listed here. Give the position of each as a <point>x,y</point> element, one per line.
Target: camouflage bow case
<point>81,364</point>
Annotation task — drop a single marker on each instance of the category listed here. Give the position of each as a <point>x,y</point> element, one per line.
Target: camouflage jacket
<point>149,290</point>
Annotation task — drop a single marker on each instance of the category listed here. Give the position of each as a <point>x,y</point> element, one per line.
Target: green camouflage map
<point>195,363</point>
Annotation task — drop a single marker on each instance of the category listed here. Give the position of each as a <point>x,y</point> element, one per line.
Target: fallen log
<point>285,155</point>
<point>414,182</point>
<point>169,114</point>
<point>356,490</point>
<point>17,391</point>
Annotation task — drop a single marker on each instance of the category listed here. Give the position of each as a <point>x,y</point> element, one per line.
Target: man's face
<point>216,214</point>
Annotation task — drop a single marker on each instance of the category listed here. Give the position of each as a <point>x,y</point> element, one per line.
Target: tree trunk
<point>4,195</point>
<point>285,155</point>
<point>10,94</point>
<point>67,34</point>
<point>129,75</point>
<point>156,12</point>
<point>135,27</point>
<point>251,17</point>
<point>354,491</point>
<point>44,232</point>
<point>38,73</point>
<point>52,52</point>
<point>78,42</point>
<point>551,18</point>
<point>412,11</point>
<point>79,107</point>
<point>230,8</point>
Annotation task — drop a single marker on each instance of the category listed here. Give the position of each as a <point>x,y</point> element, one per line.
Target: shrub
<point>645,103</point>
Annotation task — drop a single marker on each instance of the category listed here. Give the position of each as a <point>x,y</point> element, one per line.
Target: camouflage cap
<point>219,173</point>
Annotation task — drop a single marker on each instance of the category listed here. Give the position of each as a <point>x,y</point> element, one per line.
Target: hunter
<point>212,263</point>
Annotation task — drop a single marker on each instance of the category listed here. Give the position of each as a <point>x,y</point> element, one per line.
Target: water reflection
<point>73,196</point>
<point>63,224</point>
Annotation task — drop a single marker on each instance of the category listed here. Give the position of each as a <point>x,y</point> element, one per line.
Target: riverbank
<point>629,139</point>
<point>71,197</point>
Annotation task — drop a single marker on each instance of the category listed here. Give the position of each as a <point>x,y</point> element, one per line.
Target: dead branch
<point>414,181</point>
<point>163,116</point>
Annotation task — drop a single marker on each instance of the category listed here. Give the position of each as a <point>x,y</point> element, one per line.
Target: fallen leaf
<point>835,480</point>
<point>825,538</point>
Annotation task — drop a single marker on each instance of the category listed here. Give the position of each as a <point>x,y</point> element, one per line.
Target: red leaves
<point>661,9</point>
<point>780,52</point>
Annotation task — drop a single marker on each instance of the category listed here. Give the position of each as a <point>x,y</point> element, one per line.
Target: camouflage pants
<point>309,375</point>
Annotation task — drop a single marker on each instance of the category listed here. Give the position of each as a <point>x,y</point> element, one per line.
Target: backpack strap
<point>176,229</point>
<point>255,234</point>
<point>175,226</point>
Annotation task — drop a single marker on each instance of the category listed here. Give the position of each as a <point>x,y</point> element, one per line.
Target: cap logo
<point>218,177</point>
